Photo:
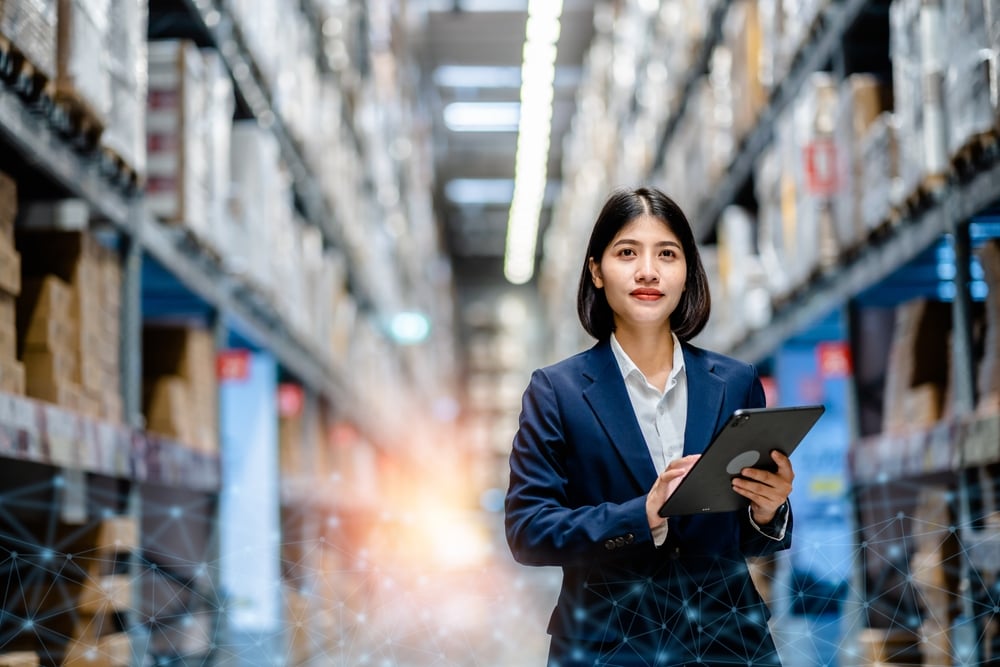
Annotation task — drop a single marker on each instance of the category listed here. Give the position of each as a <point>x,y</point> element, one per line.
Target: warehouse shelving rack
<point>963,442</point>
<point>82,456</point>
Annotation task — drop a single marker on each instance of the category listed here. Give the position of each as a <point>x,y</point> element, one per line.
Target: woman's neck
<point>651,351</point>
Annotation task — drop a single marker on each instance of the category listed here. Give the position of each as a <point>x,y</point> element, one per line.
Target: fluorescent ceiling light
<point>489,191</point>
<point>480,190</point>
<point>497,77</point>
<point>471,76</point>
<point>534,135</point>
<point>482,116</point>
<point>477,5</point>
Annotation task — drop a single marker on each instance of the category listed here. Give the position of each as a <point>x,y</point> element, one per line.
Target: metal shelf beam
<point>33,137</point>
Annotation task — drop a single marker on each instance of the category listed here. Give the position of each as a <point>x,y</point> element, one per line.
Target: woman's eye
<point>627,252</point>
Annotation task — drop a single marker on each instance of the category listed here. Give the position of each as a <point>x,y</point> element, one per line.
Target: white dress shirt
<point>662,417</point>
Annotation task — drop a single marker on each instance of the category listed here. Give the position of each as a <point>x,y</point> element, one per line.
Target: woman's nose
<point>646,270</point>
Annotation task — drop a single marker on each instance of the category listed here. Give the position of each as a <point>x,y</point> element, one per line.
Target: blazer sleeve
<point>543,527</point>
<point>752,541</point>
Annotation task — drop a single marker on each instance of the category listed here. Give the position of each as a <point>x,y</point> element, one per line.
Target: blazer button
<point>676,553</point>
<point>630,538</point>
<point>619,542</point>
<point>609,544</point>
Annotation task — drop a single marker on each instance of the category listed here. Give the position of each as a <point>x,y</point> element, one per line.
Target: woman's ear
<point>595,273</point>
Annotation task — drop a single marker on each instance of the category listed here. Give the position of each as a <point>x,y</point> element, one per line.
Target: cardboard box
<point>114,650</point>
<point>47,297</point>
<point>10,268</point>
<point>104,594</point>
<point>66,394</point>
<point>11,377</point>
<point>8,206</point>
<point>8,327</point>
<point>50,366</point>
<point>169,409</point>
<point>917,375</point>
<point>187,353</point>
<point>19,659</point>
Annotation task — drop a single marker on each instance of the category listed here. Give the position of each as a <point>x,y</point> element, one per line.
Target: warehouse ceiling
<point>470,53</point>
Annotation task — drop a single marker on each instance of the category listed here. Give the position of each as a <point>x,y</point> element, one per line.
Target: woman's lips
<point>647,294</point>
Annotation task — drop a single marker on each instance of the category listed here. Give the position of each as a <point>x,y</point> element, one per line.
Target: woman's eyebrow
<point>634,242</point>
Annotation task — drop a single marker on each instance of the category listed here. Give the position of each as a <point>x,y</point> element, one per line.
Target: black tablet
<point>746,441</point>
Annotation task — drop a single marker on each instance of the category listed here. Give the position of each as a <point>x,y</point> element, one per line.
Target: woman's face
<point>642,272</point>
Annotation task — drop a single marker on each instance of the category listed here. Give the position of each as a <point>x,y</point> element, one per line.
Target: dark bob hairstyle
<point>622,207</point>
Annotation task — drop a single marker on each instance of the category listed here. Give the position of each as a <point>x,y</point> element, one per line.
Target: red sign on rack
<point>233,365</point>
<point>834,360</point>
<point>822,172</point>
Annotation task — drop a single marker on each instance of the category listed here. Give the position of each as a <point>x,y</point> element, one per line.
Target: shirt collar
<point>628,367</point>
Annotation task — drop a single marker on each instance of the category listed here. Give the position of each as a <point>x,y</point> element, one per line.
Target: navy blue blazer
<point>579,474</point>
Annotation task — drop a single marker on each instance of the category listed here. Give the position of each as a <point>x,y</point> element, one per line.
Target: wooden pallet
<point>921,198</point>
<point>76,119</point>
<point>118,170</point>
<point>978,150</point>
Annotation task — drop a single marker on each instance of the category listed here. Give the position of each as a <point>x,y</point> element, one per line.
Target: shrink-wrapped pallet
<point>970,64</point>
<point>176,126</point>
<point>880,171</point>
<point>125,135</point>
<point>261,203</point>
<point>917,38</point>
<point>858,106</point>
<point>30,27</point>
<point>744,290</point>
<point>770,181</point>
<point>82,77</point>
<point>742,36</point>
<point>220,104</point>
<point>818,175</point>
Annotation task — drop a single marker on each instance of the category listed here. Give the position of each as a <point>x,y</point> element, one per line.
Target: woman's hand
<point>665,484</point>
<point>766,491</point>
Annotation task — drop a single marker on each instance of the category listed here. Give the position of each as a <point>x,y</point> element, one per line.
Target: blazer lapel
<point>706,391</point>
<point>609,400</point>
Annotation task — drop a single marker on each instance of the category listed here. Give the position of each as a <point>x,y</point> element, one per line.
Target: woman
<point>606,436</point>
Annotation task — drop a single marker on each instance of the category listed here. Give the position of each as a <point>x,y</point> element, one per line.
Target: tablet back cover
<point>746,440</point>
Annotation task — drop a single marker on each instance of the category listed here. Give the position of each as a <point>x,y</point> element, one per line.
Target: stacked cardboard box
<point>19,659</point>
<point>97,640</point>
<point>934,566</point>
<point>11,370</point>
<point>988,387</point>
<point>917,375</point>
<point>180,386</point>
<point>879,647</point>
<point>70,322</point>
